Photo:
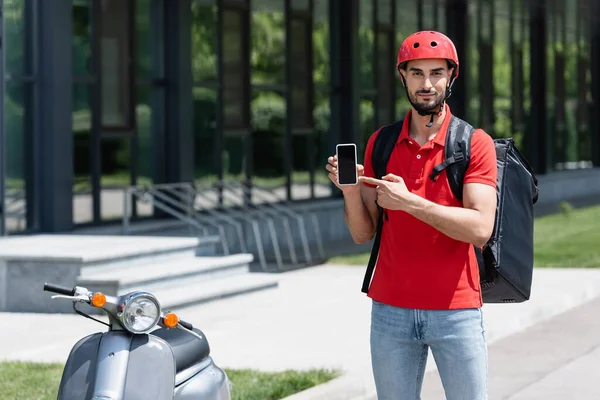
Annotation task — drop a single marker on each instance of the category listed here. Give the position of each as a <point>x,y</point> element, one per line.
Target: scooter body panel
<point>79,374</point>
<point>119,366</point>
<point>210,382</point>
<point>151,369</point>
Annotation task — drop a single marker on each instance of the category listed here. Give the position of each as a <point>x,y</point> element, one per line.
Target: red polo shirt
<point>418,266</point>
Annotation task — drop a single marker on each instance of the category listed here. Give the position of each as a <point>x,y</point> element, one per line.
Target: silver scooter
<point>144,355</point>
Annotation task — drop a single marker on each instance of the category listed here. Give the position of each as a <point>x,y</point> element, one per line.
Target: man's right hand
<point>333,175</point>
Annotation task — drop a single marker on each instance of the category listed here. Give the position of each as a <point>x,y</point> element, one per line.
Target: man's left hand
<point>392,193</point>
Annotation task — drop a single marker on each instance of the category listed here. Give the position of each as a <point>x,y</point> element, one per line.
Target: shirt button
<point>418,156</point>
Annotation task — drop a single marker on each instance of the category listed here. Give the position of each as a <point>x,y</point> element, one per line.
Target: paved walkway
<point>318,318</point>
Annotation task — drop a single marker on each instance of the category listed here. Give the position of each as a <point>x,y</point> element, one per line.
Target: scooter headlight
<point>141,312</point>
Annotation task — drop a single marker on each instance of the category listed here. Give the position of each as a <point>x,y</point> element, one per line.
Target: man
<point>425,289</point>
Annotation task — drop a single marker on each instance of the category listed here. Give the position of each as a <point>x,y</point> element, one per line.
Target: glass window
<point>149,41</point>
<point>268,106</point>
<point>149,100</point>
<point>366,38</point>
<point>517,71</point>
<point>115,156</point>
<point>301,81</point>
<point>300,5</point>
<point>17,119</point>
<point>303,150</point>
<point>303,136</point>
<point>440,15</point>
<point>14,39</point>
<point>16,140</point>
<point>385,79</point>
<point>429,15</point>
<point>471,71</point>
<point>267,53</point>
<point>204,41</point>
<point>384,11</point>
<point>82,49</point>
<point>82,113</point>
<point>204,71</point>
<point>205,132</point>
<point>502,71</point>
<point>82,142</point>
<point>150,96</point>
<point>268,123</point>
<point>115,52</point>
<point>584,104</point>
<point>406,24</point>
<point>322,85</point>
<point>234,91</point>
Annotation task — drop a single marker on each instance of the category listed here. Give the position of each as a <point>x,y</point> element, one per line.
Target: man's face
<point>426,81</point>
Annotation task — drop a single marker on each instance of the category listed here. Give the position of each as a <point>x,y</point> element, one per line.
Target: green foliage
<point>267,55</point>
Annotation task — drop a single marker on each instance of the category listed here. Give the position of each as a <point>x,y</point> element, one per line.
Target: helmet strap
<point>424,113</point>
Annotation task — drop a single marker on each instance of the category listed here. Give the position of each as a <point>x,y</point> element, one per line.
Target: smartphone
<point>346,159</point>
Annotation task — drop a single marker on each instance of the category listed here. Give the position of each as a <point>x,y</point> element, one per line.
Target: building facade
<point>102,95</point>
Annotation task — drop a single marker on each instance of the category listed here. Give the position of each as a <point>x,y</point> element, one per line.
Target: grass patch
<point>253,385</point>
<point>569,239</point>
<point>35,381</point>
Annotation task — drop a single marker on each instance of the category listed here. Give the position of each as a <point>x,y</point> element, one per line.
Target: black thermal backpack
<point>506,261</point>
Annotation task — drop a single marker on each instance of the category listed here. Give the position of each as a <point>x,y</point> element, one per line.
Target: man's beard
<point>430,106</point>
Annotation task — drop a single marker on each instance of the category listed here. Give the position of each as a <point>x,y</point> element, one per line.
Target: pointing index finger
<point>372,181</point>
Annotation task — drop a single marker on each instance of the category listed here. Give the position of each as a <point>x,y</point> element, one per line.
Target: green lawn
<point>31,381</point>
<point>570,239</point>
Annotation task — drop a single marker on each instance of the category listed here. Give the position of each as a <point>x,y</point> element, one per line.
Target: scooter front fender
<point>120,366</point>
<point>204,380</point>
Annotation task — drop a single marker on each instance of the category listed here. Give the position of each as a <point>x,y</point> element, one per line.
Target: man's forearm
<point>357,218</point>
<point>456,222</point>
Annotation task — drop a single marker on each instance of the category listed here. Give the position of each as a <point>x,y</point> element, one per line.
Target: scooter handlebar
<point>48,287</point>
<point>186,325</point>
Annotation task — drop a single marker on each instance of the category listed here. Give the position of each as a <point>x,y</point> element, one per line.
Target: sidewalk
<point>555,359</point>
<point>316,318</point>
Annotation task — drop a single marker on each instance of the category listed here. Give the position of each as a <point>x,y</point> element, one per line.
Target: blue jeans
<point>400,339</point>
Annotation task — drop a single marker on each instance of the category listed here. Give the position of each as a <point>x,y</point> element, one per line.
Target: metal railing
<point>201,207</point>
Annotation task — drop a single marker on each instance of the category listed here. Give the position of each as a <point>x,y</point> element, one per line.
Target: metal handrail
<point>254,224</point>
<point>188,202</point>
<point>191,214</point>
<point>278,212</point>
<point>146,195</point>
<point>285,206</point>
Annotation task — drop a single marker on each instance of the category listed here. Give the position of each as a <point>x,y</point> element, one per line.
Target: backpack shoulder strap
<point>383,147</point>
<point>457,155</point>
<point>382,151</point>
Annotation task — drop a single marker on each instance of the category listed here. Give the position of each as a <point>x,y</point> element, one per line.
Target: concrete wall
<point>22,283</point>
<point>578,187</point>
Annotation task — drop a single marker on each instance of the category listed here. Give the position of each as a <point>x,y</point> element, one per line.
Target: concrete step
<point>176,271</point>
<point>150,251</point>
<point>196,292</point>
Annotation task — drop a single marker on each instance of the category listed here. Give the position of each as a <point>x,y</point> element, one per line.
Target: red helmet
<point>428,44</point>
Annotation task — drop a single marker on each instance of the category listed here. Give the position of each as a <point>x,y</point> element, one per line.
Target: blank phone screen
<point>346,164</point>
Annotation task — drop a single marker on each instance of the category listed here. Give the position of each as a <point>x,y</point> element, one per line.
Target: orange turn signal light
<point>171,320</point>
<point>98,300</point>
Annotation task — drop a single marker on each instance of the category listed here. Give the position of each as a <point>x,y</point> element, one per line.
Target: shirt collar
<point>440,137</point>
